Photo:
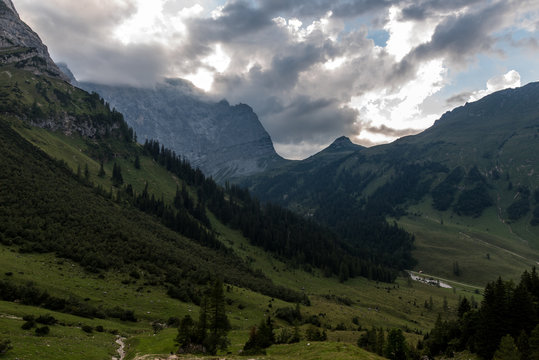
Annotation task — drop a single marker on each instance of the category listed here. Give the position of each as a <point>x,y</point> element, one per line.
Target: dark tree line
<point>506,309</point>
<point>273,228</point>
<point>45,207</point>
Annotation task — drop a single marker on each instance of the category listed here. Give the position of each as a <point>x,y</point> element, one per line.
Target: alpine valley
<point>127,230</point>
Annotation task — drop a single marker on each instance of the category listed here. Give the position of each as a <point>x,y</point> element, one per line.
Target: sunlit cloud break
<point>309,68</point>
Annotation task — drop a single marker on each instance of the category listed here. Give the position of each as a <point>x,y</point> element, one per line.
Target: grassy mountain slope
<point>474,174</point>
<point>92,250</point>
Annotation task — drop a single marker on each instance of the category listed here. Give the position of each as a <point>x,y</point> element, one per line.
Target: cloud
<point>459,36</point>
<point>510,79</point>
<point>423,9</point>
<point>307,67</point>
<point>458,99</point>
<point>390,132</point>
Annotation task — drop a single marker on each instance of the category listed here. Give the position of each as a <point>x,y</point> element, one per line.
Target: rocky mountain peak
<point>9,5</point>
<point>21,46</point>
<point>343,143</point>
<point>225,141</point>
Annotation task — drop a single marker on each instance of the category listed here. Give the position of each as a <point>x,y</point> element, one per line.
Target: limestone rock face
<point>224,141</point>
<point>21,46</point>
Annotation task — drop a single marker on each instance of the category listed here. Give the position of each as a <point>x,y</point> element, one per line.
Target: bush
<point>5,346</point>
<point>46,320</point>
<point>42,331</point>
<point>314,334</point>
<point>288,314</point>
<point>87,329</point>
<point>173,321</point>
<point>28,325</point>
<point>518,209</point>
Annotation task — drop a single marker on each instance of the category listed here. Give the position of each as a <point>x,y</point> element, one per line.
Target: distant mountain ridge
<point>225,141</point>
<point>475,157</point>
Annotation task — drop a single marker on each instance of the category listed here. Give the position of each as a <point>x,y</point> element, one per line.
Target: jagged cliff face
<point>224,141</point>
<point>21,46</point>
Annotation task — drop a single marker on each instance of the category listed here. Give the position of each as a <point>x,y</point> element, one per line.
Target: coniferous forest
<point>506,322</point>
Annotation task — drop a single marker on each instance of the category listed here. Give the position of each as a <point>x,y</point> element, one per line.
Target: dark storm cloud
<point>360,7</point>
<point>458,37</point>
<point>421,10</point>
<point>238,19</point>
<point>308,119</point>
<point>385,130</point>
<point>458,99</point>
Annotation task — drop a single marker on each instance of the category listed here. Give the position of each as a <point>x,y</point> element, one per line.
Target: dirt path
<point>121,350</point>
<point>499,248</point>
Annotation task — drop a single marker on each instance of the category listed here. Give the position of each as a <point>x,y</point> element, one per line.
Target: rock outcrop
<point>21,46</point>
<point>222,140</point>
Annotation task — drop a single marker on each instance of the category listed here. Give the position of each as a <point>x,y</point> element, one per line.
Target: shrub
<point>42,331</point>
<point>5,346</point>
<point>46,320</point>
<point>87,329</point>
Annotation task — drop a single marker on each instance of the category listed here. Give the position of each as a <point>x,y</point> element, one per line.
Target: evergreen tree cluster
<point>506,310</point>
<point>443,194</point>
<point>210,332</point>
<point>260,338</point>
<point>45,207</point>
<point>393,346</point>
<point>273,228</point>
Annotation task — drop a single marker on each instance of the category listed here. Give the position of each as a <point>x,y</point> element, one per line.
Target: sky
<point>312,70</point>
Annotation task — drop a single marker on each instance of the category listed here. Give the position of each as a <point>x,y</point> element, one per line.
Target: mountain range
<point>111,239</point>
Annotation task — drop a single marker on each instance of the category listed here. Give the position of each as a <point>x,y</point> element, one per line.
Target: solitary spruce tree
<point>117,178</point>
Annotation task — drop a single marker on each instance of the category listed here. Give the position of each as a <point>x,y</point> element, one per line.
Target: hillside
<point>111,237</point>
<point>98,257</point>
<point>472,177</point>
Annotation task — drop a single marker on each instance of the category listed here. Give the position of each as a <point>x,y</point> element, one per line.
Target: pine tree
<point>117,178</point>
<point>86,172</point>
<point>523,345</point>
<point>218,324</point>
<point>380,342</point>
<point>533,342</point>
<point>507,349</point>
<point>186,332</point>
<point>137,162</point>
<point>202,325</point>
<point>395,348</point>
<point>464,307</point>
<point>101,172</point>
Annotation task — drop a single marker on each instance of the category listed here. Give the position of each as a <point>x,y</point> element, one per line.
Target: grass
<point>371,303</point>
<point>484,249</point>
<point>74,151</point>
<point>63,341</point>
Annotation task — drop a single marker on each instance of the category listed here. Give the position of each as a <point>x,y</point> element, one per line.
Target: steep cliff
<point>224,141</point>
<point>21,46</point>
